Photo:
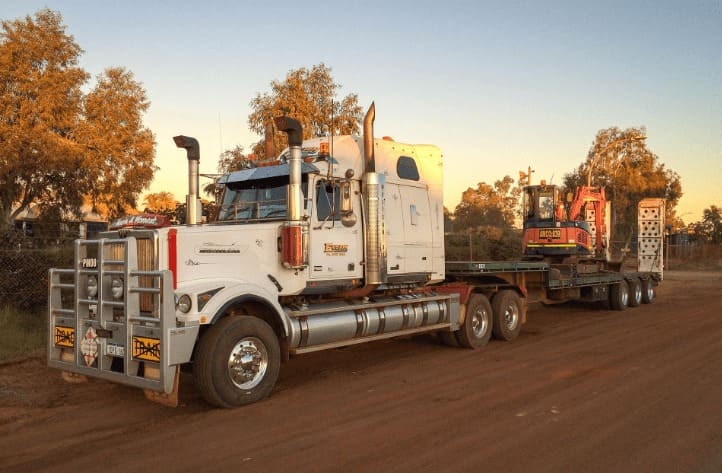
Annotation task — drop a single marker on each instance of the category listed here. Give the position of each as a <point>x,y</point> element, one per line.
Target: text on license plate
<point>115,350</point>
<point>146,349</point>
<point>65,337</point>
<point>550,233</point>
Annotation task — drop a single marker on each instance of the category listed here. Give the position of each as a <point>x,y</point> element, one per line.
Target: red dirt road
<point>583,389</point>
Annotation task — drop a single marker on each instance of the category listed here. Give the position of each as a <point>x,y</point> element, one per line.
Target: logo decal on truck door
<point>335,249</point>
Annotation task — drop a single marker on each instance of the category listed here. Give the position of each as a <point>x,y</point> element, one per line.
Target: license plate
<point>114,350</point>
<point>146,349</point>
<point>550,233</point>
<point>65,337</point>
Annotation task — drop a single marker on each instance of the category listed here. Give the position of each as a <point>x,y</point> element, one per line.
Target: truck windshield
<point>255,200</point>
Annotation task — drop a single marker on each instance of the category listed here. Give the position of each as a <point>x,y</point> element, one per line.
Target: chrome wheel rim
<point>480,322</point>
<point>638,294</point>
<point>248,362</point>
<point>650,292</point>
<point>511,316</point>
<point>624,296</point>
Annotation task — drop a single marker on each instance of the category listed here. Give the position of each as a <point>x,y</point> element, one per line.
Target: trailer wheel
<point>507,315</point>
<point>647,291</point>
<point>635,292</point>
<point>476,329</point>
<point>619,295</point>
<point>237,362</point>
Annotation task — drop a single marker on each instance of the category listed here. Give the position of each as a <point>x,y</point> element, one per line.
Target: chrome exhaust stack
<point>194,208</point>
<point>375,267</point>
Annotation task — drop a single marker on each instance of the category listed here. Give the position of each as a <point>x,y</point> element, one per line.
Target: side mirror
<point>348,219</point>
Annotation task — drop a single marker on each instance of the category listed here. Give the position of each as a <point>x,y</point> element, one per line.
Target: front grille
<point>146,255</point>
<point>146,262</point>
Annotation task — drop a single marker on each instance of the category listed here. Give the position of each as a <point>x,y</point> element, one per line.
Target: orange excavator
<point>553,234</point>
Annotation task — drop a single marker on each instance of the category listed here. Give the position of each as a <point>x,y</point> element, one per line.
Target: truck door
<point>335,241</point>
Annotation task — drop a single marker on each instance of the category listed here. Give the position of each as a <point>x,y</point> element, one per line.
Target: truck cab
<point>330,244</point>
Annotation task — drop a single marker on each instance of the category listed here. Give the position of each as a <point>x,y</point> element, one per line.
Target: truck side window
<point>327,201</point>
<point>406,168</point>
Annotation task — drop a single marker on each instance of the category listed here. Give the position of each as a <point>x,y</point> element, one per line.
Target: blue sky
<point>496,85</point>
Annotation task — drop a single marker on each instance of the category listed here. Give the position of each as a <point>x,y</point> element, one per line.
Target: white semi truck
<point>341,241</point>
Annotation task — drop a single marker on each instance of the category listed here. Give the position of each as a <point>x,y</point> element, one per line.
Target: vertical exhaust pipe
<point>369,155</point>
<point>193,203</point>
<point>375,267</point>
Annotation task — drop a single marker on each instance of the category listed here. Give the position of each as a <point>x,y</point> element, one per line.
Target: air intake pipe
<point>193,203</point>
<point>294,233</point>
<point>292,128</point>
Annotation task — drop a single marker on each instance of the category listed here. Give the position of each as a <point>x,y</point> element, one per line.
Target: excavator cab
<point>548,233</point>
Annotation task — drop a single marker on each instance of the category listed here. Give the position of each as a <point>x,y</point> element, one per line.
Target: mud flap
<point>167,399</point>
<point>73,378</point>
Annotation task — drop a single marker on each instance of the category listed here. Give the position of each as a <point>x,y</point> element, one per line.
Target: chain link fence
<point>484,244</point>
<point>24,260</point>
<point>24,264</point>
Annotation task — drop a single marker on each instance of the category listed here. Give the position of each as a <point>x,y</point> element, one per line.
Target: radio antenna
<point>330,145</point>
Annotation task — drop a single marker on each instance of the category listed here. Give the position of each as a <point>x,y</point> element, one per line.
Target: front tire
<point>237,362</point>
<point>476,330</point>
<point>507,309</point>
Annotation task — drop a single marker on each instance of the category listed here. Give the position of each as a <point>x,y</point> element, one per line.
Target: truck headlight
<point>92,286</point>
<point>184,303</point>
<point>116,288</point>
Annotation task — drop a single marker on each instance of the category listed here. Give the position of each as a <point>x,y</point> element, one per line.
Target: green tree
<point>621,163</point>
<point>119,149</point>
<point>57,144</point>
<point>160,202</point>
<point>40,100</point>
<point>233,160</point>
<point>308,95</point>
<point>230,160</point>
<point>488,205</point>
<point>710,227</point>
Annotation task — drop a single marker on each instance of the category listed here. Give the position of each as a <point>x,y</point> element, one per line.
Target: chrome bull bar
<point>102,336</point>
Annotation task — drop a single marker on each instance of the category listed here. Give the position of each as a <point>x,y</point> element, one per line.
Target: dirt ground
<point>583,389</point>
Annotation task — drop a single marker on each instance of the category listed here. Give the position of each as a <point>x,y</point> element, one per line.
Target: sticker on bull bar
<point>146,349</point>
<point>64,336</point>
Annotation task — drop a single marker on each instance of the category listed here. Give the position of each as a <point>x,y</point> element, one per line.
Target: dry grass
<point>21,332</point>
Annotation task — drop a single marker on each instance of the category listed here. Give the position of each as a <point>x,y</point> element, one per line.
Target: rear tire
<point>635,292</point>
<point>619,295</point>
<point>507,308</point>
<point>237,362</point>
<point>476,330</point>
<point>648,292</point>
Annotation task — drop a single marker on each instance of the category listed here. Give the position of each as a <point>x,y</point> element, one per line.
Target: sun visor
<point>265,172</point>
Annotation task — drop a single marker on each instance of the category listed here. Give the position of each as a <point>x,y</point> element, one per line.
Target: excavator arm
<point>584,196</point>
